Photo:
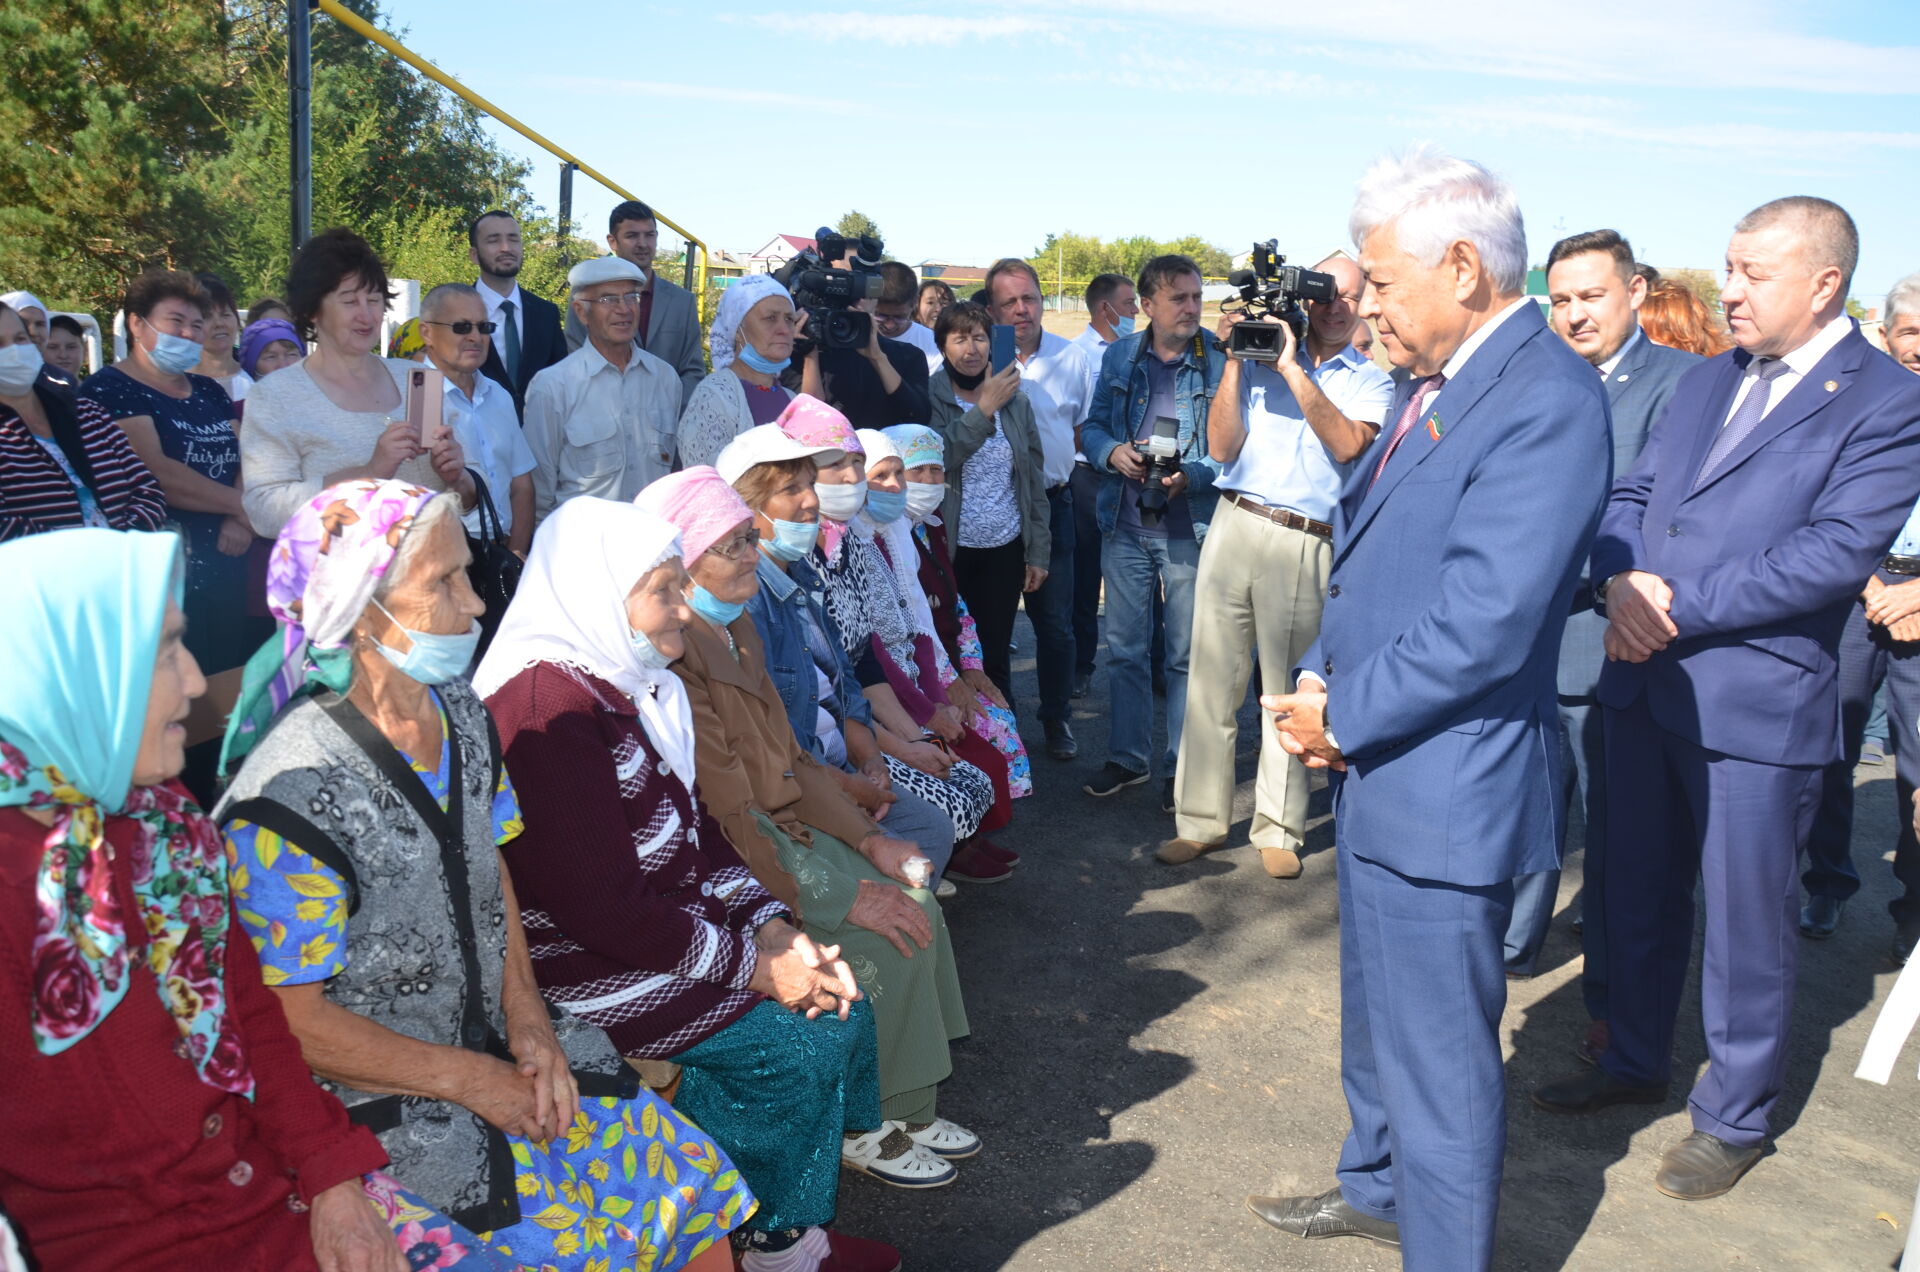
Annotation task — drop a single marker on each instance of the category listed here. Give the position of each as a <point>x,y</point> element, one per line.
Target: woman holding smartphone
<point>341,413</point>
<point>996,506</point>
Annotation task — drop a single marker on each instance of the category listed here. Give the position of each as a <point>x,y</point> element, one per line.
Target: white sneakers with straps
<point>892,1156</point>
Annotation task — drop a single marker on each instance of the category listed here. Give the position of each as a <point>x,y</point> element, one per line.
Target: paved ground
<point>1151,1044</point>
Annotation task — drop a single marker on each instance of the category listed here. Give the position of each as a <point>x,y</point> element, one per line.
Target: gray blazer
<point>963,429</point>
<point>672,335</point>
<point>1637,392</point>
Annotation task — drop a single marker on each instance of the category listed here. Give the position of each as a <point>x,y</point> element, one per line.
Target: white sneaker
<point>891,1156</point>
<point>949,1140</point>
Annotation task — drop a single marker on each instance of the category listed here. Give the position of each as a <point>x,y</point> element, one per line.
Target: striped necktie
<point>1416,405</point>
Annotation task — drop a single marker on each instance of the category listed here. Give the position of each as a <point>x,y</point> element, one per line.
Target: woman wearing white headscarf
<point>642,918</point>
<point>752,339</point>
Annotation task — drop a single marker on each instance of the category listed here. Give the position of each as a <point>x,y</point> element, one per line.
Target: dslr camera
<point>826,293</point>
<point>1273,289</point>
<point>1162,452</point>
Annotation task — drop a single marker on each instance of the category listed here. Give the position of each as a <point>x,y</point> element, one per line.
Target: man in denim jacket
<point>1166,372</point>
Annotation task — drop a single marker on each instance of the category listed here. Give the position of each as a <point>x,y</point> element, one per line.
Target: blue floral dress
<point>632,1187</point>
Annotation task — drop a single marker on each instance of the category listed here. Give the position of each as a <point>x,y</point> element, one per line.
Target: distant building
<point>961,278</point>
<point>778,250</point>
<point>723,265</point>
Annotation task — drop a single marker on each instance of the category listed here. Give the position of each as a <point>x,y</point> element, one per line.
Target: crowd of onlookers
<point>554,732</point>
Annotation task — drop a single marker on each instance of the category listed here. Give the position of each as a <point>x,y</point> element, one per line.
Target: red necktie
<point>1416,405</point>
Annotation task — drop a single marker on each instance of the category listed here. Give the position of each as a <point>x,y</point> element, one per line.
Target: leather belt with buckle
<point>1901,565</point>
<point>1294,521</point>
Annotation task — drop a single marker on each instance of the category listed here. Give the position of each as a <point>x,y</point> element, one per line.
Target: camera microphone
<point>1241,278</point>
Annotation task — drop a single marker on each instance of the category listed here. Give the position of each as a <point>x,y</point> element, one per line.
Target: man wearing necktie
<point>1457,543</point>
<point>1726,563</point>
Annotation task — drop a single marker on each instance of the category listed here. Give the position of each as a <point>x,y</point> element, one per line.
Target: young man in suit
<point>1726,564</point>
<point>1457,544</point>
<point>526,329</point>
<point>669,326</point>
<point>1594,295</point>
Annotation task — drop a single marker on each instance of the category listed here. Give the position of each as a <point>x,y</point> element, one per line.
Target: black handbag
<point>495,570</point>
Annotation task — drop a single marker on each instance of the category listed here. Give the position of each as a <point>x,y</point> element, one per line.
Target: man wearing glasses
<point>453,322</point>
<point>602,421</point>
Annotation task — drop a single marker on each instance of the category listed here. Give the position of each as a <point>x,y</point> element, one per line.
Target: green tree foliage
<point>1700,282</point>
<point>157,135</point>
<point>1076,258</point>
<point>856,223</point>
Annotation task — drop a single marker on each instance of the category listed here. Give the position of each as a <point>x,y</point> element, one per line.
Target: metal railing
<point>696,271</point>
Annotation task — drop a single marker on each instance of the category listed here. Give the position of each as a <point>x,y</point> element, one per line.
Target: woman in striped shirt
<point>62,464</point>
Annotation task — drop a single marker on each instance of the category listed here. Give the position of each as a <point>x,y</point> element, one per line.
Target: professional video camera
<point>1273,289</point>
<point>826,293</point>
<point>1162,451</point>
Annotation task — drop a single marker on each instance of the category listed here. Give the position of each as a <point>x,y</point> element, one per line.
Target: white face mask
<point>924,499</point>
<point>19,367</point>
<point>841,502</point>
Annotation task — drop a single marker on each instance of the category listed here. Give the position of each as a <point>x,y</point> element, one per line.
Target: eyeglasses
<point>619,298</point>
<point>463,328</point>
<point>738,547</point>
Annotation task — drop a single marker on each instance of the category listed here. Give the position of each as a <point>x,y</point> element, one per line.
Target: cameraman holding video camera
<point>1290,419</point>
<point>1146,432</point>
<point>839,355</point>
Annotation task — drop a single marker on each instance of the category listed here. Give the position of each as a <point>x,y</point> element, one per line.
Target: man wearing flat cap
<point>602,420</point>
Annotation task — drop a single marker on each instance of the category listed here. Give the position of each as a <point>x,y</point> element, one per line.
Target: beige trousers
<point>1259,589</point>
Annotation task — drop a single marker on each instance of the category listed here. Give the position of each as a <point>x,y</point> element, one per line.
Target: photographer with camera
<point>840,355</point>
<point>1146,433</point>
<point>1288,432</point>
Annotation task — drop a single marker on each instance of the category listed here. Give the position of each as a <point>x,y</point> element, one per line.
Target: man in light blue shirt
<point>1289,434</point>
<point>453,321</point>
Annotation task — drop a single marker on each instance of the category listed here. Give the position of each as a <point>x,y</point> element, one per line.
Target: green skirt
<point>917,1008</point>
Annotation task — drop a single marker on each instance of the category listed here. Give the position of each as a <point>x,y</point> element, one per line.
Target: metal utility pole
<point>300,122</point>
<point>567,169</point>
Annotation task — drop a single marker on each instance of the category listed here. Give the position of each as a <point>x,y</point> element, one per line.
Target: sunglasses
<point>464,328</point>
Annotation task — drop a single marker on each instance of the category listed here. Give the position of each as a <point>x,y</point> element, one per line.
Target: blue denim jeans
<point>1129,564</point>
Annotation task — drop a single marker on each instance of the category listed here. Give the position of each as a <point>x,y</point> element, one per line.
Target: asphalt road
<point>1151,1044</point>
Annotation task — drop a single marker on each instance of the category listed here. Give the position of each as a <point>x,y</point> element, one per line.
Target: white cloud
<point>702,93</point>
<point>901,29</point>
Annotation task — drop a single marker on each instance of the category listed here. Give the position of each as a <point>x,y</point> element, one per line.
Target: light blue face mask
<point>765,366</point>
<point>712,608</point>
<point>648,653</point>
<point>884,506</point>
<point>1123,326</point>
<point>175,355</point>
<point>433,659</point>
<point>791,539</point>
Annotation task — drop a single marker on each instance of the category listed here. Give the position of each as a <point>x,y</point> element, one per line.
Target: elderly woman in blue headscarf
<point>751,344</point>
<point>363,835</point>
<point>158,1111</point>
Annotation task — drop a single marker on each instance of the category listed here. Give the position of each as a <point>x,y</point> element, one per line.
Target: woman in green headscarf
<point>157,1108</point>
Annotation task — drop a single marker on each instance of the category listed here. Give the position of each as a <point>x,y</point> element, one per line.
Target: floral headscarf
<point>811,422</point>
<point>76,670</point>
<point>326,565</point>
<point>917,445</point>
<point>408,339</point>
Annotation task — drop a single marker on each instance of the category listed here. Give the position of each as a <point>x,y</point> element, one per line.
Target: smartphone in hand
<point>426,405</point>
<point>1000,350</point>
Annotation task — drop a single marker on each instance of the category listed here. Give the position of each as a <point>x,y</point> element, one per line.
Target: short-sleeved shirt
<point>1283,463</point>
<point>295,908</point>
<point>488,430</point>
<point>196,431</point>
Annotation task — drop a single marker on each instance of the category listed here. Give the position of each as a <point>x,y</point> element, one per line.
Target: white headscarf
<point>571,609</point>
<point>897,534</point>
<point>735,303</point>
<point>18,300</point>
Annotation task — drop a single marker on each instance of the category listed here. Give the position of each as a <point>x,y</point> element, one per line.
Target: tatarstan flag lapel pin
<point>1435,428</point>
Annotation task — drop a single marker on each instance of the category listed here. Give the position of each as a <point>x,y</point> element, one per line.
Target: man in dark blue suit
<point>527,338</point>
<point>1729,555</point>
<point>1594,295</point>
<point>1457,545</point>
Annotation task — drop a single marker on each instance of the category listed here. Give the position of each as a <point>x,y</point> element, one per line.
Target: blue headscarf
<point>86,610</point>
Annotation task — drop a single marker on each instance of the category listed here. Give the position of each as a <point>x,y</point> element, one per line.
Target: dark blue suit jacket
<point>542,343</point>
<point>1637,392</point>
<point>1452,578</point>
<point>1766,556</point>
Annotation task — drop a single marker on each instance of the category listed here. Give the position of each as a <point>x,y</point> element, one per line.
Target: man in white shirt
<point>1288,433</point>
<point>454,325</point>
<point>1059,384</point>
<point>602,421</point>
<point>1112,308</point>
<point>893,312</point>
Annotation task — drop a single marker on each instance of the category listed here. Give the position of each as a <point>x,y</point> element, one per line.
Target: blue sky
<point>970,132</point>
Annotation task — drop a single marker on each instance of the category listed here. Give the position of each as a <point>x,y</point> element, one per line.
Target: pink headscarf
<point>700,502</point>
<point>811,422</point>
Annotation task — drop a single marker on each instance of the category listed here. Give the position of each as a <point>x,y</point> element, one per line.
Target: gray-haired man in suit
<point>1595,294</point>
<point>669,317</point>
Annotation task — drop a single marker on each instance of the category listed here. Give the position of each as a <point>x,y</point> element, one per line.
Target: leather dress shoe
<point>1702,1166</point>
<point>1591,1090</point>
<point>1820,917</point>
<point>1280,863</point>
<point>1905,937</point>
<point>1327,1215</point>
<point>1178,852</point>
<point>1060,743</point>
